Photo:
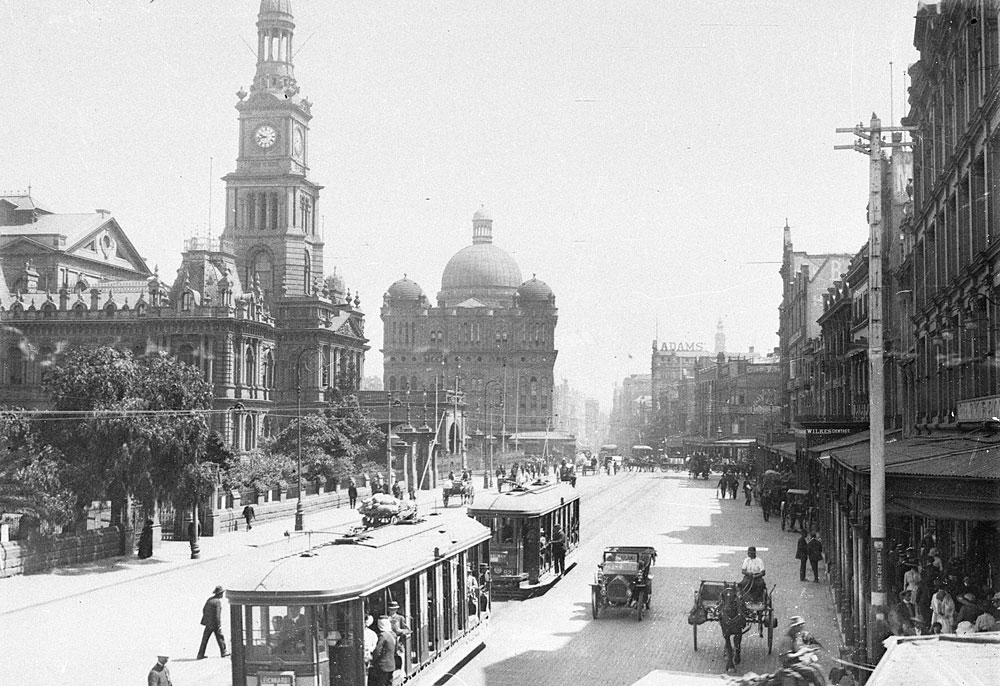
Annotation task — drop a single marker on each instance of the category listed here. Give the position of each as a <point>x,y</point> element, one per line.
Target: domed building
<point>490,332</point>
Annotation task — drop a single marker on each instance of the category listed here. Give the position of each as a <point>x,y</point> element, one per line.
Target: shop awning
<point>941,509</point>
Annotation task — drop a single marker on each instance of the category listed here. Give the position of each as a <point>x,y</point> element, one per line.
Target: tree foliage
<point>31,474</point>
<point>334,440</point>
<point>133,426</point>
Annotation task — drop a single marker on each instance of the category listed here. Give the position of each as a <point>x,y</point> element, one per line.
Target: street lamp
<point>488,476</point>
<point>299,515</point>
<point>388,443</point>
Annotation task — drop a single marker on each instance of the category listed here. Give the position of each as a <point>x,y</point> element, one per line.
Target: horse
<point>468,492</point>
<point>733,620</point>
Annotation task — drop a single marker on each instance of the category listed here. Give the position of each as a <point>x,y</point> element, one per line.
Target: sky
<point>639,157</point>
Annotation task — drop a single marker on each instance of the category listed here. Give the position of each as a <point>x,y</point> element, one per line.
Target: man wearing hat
<point>400,629</point>
<point>753,575</point>
<point>159,675</point>
<point>794,640</point>
<point>968,608</point>
<point>211,619</point>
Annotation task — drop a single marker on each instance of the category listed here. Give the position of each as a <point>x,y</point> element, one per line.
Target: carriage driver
<point>753,575</point>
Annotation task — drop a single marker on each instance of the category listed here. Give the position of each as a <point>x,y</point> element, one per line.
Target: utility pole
<point>876,386</point>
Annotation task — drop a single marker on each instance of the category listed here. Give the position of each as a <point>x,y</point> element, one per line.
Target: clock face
<point>297,142</point>
<point>265,136</point>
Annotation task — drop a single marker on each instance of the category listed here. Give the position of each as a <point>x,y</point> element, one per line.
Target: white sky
<point>640,157</point>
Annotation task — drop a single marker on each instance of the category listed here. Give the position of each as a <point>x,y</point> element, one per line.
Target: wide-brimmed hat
<point>393,605</point>
<point>968,599</point>
<point>219,590</point>
<point>796,621</point>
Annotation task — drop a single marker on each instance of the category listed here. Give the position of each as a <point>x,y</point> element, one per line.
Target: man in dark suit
<point>211,619</point>
<point>815,548</point>
<point>802,554</point>
<point>558,547</point>
<point>384,656</point>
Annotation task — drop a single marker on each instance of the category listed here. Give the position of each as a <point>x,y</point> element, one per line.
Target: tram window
<point>276,630</point>
<point>506,530</point>
<point>339,626</point>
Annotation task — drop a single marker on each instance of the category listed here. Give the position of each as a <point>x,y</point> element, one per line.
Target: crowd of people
<point>937,597</point>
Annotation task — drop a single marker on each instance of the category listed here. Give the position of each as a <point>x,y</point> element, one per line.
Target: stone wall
<point>38,554</point>
<point>226,519</point>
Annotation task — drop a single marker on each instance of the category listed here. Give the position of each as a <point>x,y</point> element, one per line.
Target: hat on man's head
<point>219,590</point>
<point>393,605</point>
<point>796,621</point>
<point>968,599</point>
<point>906,593</point>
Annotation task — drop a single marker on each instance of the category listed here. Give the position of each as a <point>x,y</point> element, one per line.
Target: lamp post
<point>390,401</point>
<point>299,515</point>
<point>488,476</point>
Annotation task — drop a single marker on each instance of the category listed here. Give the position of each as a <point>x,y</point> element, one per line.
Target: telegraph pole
<point>876,387</point>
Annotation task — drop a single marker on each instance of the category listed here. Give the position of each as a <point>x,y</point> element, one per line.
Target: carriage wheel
<point>595,602</point>
<point>640,603</point>
<point>694,629</point>
<point>394,519</point>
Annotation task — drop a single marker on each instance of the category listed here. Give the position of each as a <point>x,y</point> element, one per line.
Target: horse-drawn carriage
<point>736,612</point>
<point>699,465</point>
<point>623,579</point>
<point>462,490</point>
<point>381,509</point>
<point>568,474</point>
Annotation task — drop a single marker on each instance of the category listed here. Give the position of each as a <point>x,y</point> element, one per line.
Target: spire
<point>275,27</point>
<point>788,235</point>
<point>720,338</point>
<point>482,226</point>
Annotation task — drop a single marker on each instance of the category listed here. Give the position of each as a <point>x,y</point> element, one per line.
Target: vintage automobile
<point>623,579</point>
<point>382,509</point>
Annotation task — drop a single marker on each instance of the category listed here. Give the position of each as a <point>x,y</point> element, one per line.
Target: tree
<point>31,475</point>
<point>133,426</point>
<point>334,440</point>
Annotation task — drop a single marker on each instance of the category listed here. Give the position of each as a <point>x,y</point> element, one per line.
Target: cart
<point>759,615</point>
<point>382,509</point>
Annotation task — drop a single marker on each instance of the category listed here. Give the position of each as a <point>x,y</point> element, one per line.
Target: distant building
<point>490,334</point>
<point>672,383</point>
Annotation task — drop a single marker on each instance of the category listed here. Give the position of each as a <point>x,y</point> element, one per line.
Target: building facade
<point>674,365</point>
<point>490,335</point>
<point>251,309</point>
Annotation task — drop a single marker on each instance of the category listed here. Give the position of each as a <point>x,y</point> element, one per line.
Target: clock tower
<point>271,205</point>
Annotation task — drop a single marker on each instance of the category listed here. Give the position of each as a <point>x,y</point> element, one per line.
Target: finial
<point>241,94</point>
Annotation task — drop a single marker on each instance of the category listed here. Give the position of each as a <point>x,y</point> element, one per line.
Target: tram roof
<point>524,501</point>
<point>343,571</point>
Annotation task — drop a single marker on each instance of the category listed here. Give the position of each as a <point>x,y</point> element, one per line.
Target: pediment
<point>353,328</point>
<point>109,244</point>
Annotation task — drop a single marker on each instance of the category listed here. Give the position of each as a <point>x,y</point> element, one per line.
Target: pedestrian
<point>397,491</point>
<point>943,608</point>
<point>400,626</point>
<point>146,540</point>
<point>383,656</point>
<point>211,619</point>
<point>815,547</point>
<point>558,547</point>
<point>371,640</point>
<point>802,555</point>
<point>249,514</point>
<point>159,675</point>
<point>352,494</point>
<point>747,491</point>
<point>723,485</point>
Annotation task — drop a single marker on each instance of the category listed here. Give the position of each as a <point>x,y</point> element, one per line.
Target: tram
<point>300,620</point>
<point>521,522</point>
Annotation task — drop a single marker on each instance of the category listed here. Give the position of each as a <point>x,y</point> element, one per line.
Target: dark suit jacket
<point>815,547</point>
<point>211,614</point>
<point>802,550</point>
<point>384,655</point>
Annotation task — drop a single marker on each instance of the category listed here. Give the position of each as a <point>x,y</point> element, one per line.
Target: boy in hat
<point>159,675</point>
<point>400,629</point>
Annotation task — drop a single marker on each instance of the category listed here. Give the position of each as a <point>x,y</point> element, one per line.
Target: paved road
<point>553,639</point>
<point>104,623</point>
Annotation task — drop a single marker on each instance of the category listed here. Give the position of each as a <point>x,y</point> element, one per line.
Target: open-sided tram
<point>522,522</point>
<point>300,619</point>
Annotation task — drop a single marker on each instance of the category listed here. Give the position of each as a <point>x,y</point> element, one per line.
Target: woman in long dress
<point>943,609</point>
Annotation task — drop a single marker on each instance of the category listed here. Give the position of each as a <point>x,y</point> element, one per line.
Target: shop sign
<point>276,678</point>
<point>978,409</point>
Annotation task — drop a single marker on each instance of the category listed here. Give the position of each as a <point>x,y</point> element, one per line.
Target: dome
<point>481,265</point>
<point>482,213</point>
<point>405,289</point>
<point>535,291</point>
<point>279,6</point>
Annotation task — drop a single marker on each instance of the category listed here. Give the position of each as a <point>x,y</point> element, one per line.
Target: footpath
<point>22,592</point>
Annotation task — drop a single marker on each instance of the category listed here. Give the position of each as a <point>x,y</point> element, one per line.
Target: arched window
<point>185,354</point>
<point>140,310</point>
<point>251,367</point>
<point>249,438</point>
<point>307,273</point>
<point>261,266</point>
<point>392,383</point>
<point>15,366</point>
<point>413,383</point>
<point>109,310</point>
<point>187,301</point>
<point>79,309</point>
<point>268,370</point>
<point>48,310</point>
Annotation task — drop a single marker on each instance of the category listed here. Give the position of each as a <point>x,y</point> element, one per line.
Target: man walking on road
<point>815,551</point>
<point>352,492</point>
<point>159,675</point>
<point>211,619</point>
<point>558,544</point>
<point>802,554</point>
<point>249,515</point>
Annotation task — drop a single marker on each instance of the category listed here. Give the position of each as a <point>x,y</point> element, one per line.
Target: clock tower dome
<point>271,205</point>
